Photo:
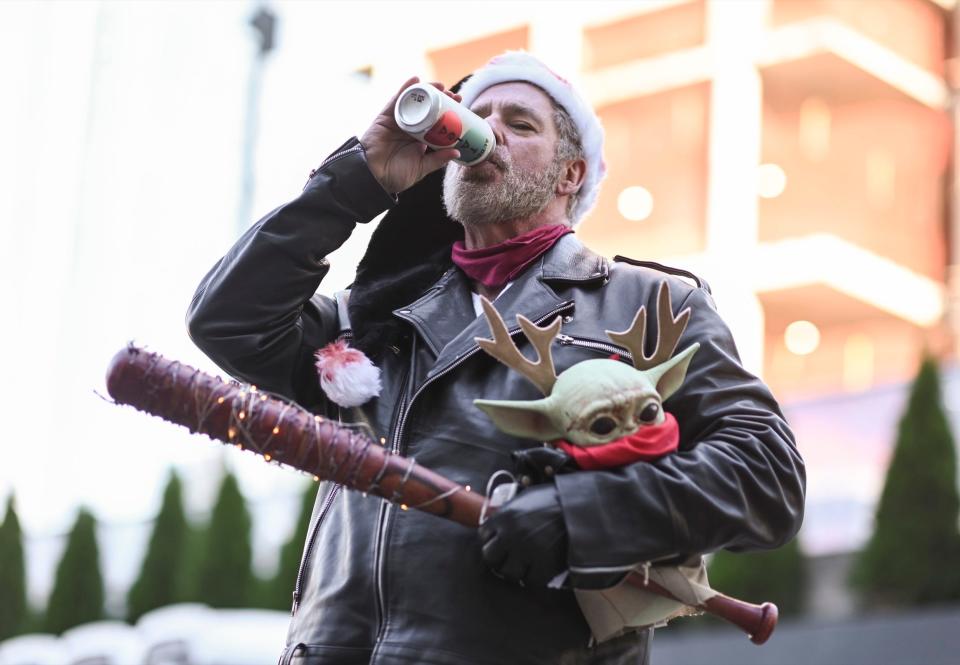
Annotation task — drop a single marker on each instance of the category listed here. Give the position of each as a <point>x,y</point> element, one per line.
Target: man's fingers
<point>455,96</point>
<point>513,569</point>
<point>438,158</point>
<point>493,553</point>
<point>388,109</point>
<point>442,88</point>
<point>410,81</point>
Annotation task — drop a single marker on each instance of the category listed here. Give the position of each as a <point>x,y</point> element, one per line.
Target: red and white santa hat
<point>521,66</point>
<point>401,258</point>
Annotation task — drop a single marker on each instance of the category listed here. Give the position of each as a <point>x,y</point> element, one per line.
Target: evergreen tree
<point>188,588</point>
<point>77,595</point>
<point>225,577</point>
<point>159,581</point>
<point>913,556</point>
<point>13,577</point>
<point>279,590</point>
<point>778,576</point>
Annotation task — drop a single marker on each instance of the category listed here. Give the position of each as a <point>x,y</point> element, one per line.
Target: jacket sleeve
<point>256,313</point>
<point>737,481</point>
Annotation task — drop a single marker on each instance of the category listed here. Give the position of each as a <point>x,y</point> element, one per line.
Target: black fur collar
<point>408,252</point>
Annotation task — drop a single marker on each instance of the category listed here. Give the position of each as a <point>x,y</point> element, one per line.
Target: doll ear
<point>668,376</point>
<point>530,420</point>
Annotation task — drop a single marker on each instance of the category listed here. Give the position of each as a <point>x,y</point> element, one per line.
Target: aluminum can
<point>432,117</point>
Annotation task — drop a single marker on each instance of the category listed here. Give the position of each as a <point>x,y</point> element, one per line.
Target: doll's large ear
<point>529,420</point>
<point>668,376</point>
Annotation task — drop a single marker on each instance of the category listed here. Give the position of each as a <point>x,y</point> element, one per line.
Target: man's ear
<point>524,419</point>
<point>572,177</point>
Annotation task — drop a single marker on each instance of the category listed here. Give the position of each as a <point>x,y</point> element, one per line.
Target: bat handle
<point>757,621</point>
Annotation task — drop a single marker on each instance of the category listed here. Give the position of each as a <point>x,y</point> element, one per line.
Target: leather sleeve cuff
<point>348,176</point>
<point>597,542</point>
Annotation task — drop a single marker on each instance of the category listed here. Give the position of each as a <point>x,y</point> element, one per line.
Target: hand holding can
<point>441,122</point>
<point>395,158</point>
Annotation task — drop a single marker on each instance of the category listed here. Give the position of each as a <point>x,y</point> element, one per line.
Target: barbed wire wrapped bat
<point>283,432</point>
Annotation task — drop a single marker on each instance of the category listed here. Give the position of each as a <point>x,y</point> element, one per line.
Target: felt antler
<point>542,372</point>
<point>668,334</point>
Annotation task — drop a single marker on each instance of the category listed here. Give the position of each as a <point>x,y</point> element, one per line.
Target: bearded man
<point>382,585</point>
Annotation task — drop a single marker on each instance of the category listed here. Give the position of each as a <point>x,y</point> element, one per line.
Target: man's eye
<point>521,125</point>
<point>603,425</point>
<point>649,413</point>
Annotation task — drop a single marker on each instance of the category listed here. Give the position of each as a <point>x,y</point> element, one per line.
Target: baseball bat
<point>283,432</point>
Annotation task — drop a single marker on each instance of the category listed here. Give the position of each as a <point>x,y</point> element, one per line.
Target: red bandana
<point>648,443</point>
<point>496,265</point>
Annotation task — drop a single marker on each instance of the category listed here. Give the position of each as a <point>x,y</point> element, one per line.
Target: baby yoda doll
<point>604,413</point>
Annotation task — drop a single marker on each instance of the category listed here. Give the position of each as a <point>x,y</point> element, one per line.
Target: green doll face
<point>595,401</point>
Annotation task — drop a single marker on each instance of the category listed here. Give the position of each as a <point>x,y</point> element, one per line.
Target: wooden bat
<point>283,432</point>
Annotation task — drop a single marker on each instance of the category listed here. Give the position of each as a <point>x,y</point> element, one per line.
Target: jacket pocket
<point>323,654</point>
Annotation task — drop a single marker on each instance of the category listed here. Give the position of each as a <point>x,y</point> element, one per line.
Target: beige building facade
<point>798,155</point>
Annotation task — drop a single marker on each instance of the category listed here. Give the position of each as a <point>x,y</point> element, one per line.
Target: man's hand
<point>397,160</point>
<point>526,540</point>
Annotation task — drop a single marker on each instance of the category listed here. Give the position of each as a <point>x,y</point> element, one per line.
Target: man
<point>383,585</point>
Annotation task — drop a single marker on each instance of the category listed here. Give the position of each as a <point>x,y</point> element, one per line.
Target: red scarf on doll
<point>498,264</point>
<point>648,443</point>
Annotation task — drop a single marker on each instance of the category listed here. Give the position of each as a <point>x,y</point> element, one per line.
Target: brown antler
<point>541,373</point>
<point>668,334</point>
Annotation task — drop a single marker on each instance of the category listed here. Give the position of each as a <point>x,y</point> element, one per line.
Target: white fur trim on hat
<point>521,66</point>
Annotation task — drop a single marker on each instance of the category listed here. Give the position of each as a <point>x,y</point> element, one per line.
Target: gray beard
<point>475,201</point>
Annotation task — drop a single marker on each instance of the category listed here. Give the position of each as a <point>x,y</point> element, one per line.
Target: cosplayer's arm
<point>256,313</point>
<point>737,481</point>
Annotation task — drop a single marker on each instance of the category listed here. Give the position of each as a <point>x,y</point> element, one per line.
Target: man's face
<point>520,178</point>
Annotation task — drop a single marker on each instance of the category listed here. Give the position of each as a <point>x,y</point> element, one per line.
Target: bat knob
<point>768,621</point>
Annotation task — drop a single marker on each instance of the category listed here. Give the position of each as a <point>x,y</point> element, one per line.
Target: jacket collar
<point>445,319</point>
<point>569,260</point>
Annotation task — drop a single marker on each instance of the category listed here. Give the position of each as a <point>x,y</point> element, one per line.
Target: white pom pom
<point>346,375</point>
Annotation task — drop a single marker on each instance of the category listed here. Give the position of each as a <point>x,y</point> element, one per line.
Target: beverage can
<point>432,117</point>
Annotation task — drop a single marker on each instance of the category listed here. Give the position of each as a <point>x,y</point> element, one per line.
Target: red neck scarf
<point>647,444</point>
<point>498,264</point>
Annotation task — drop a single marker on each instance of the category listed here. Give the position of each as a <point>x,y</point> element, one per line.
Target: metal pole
<point>264,24</point>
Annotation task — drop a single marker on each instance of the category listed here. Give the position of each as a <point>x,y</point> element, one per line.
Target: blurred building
<point>797,154</point>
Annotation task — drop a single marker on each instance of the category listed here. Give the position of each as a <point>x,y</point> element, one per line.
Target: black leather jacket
<point>383,585</point>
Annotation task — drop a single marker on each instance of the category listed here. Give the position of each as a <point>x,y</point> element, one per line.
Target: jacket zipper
<point>385,507</point>
<point>346,335</point>
<point>328,500</point>
<point>397,444</point>
<point>567,340</point>
<point>334,157</point>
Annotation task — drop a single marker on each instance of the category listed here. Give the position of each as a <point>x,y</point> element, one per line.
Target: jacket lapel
<point>444,316</point>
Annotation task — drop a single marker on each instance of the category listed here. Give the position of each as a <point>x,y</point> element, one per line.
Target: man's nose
<point>496,124</point>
